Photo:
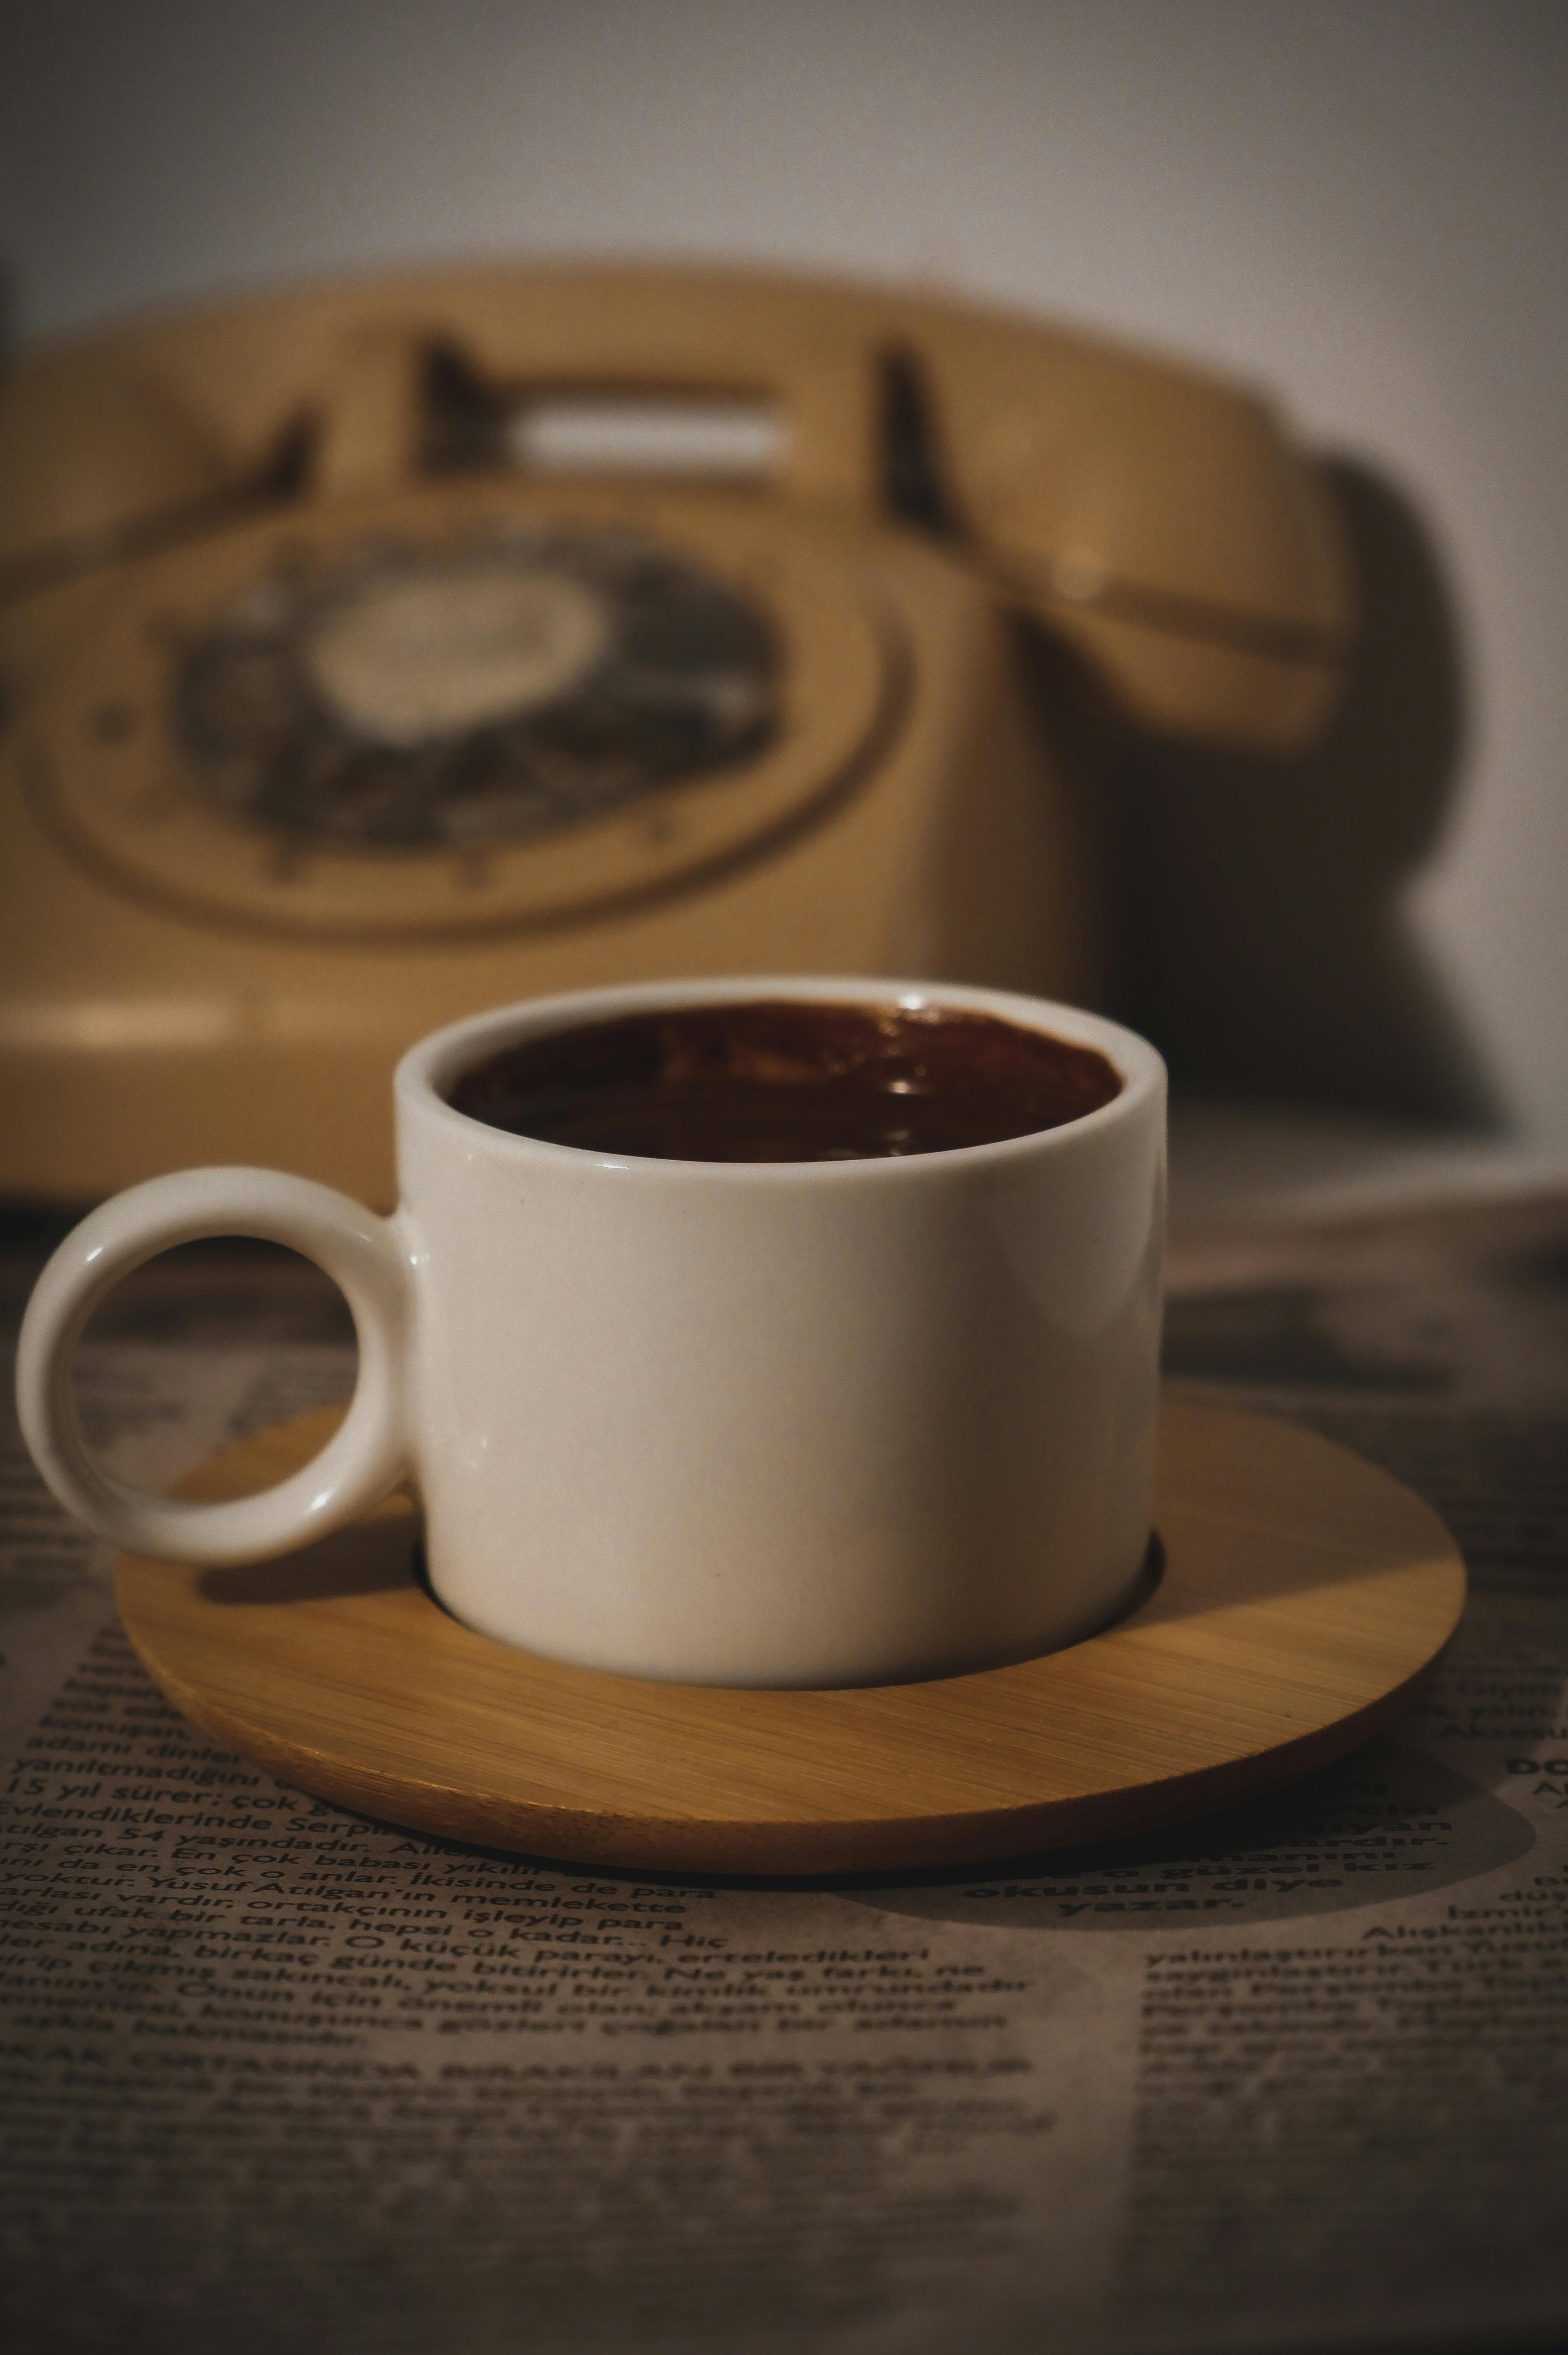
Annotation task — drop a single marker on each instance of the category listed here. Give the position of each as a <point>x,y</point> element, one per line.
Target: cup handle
<point>366,1456</point>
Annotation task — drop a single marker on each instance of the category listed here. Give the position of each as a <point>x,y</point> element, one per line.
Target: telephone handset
<point>385,651</point>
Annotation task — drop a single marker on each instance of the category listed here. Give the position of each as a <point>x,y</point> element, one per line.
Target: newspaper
<point>1288,2078</point>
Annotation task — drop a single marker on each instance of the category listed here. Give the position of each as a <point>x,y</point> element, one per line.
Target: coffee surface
<point>786,1080</point>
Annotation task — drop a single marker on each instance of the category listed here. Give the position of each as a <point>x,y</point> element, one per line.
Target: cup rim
<point>435,1062</point>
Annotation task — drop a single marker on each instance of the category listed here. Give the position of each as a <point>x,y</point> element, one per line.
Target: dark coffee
<point>786,1080</point>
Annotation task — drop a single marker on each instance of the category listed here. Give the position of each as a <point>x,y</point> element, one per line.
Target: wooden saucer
<point>1304,1593</point>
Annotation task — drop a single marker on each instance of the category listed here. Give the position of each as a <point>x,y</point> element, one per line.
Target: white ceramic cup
<point>769,1424</point>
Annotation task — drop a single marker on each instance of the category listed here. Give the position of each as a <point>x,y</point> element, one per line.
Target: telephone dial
<point>379,653</point>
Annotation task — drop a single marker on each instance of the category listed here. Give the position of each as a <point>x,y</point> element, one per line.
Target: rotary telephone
<point>379,653</point>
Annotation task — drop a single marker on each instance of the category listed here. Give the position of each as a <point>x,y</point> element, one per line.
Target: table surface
<point>275,2073</point>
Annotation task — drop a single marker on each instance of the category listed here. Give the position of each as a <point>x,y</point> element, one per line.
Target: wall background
<point>1363,203</point>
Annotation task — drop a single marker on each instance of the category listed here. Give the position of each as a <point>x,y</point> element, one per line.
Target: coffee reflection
<point>787,1080</point>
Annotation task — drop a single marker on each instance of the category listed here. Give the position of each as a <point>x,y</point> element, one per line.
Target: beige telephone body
<point>392,650</point>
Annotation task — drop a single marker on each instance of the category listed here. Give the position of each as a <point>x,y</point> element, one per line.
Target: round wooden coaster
<point>1304,1593</point>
